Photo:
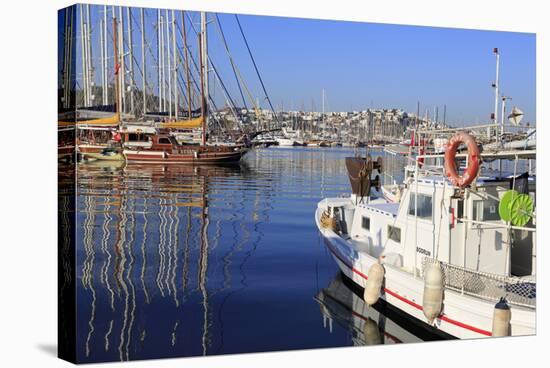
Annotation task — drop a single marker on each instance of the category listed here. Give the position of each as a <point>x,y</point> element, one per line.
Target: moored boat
<point>157,148</point>
<point>456,252</point>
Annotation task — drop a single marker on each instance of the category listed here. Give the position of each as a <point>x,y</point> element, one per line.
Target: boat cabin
<point>433,219</point>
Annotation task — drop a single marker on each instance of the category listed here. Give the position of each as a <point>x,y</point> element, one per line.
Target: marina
<point>185,261</point>
<point>199,217</point>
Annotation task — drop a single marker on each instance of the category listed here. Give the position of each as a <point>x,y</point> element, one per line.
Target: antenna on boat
<point>496,87</point>
<point>503,113</point>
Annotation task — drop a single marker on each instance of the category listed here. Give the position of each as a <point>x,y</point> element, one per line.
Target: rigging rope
<point>218,23</point>
<point>238,75</point>
<point>256,68</point>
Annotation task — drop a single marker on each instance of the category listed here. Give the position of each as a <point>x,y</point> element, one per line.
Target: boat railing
<point>517,290</point>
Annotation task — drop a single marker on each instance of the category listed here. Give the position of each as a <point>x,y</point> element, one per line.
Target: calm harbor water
<point>187,261</point>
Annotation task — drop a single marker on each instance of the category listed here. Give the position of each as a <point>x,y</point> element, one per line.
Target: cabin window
<point>134,137</point>
<point>486,210</point>
<point>424,206</point>
<point>164,140</point>
<point>365,223</point>
<point>460,208</point>
<point>394,233</point>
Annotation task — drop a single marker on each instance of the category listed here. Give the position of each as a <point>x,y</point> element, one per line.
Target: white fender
<point>432,300</point>
<point>501,319</point>
<point>374,284</point>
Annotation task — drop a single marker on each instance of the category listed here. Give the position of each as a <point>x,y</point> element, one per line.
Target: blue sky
<point>363,65</point>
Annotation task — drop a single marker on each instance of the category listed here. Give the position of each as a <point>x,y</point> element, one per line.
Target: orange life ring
<point>473,160</point>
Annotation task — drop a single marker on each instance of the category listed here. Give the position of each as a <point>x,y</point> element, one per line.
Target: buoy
<point>501,319</point>
<point>374,284</point>
<point>432,299</point>
<point>473,160</point>
<point>372,333</point>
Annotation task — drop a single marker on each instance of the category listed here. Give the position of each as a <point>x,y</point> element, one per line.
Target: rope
<point>227,96</point>
<point>218,23</point>
<point>256,68</point>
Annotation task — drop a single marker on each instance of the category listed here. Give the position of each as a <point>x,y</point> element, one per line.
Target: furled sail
<point>184,124</point>
<point>110,121</point>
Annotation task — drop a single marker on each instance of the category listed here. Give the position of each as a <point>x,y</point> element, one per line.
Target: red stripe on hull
<point>410,302</point>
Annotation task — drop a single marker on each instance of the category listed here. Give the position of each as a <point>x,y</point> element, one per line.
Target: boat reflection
<point>176,261</point>
<point>341,302</point>
<point>143,258</point>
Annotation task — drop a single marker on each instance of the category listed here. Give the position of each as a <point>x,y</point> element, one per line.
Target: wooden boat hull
<point>188,158</point>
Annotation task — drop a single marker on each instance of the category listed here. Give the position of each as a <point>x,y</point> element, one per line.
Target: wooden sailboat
<point>162,148</point>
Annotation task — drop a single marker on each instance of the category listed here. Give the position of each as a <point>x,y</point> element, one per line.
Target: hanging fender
<point>471,171</point>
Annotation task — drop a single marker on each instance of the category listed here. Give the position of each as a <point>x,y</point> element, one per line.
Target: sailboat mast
<point>186,56</point>
<point>323,109</point>
<point>175,65</point>
<point>158,61</point>
<point>89,78</point>
<point>143,66</point>
<point>106,55</point>
<point>168,62</point>
<point>122,73</point>
<point>204,75</point>
<point>162,71</point>
<point>131,57</point>
<point>83,51</point>
<point>116,64</point>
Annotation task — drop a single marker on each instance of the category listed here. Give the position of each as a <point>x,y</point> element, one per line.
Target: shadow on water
<point>341,301</point>
<point>188,261</point>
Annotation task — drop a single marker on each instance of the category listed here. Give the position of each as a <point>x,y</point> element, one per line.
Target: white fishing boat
<point>456,252</point>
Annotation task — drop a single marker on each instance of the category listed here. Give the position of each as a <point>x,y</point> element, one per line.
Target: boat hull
<point>103,156</point>
<point>192,158</point>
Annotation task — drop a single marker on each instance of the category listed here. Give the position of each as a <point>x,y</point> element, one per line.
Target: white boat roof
<point>139,129</point>
<point>384,208</point>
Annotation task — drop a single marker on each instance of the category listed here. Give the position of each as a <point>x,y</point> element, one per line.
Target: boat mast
<point>105,54</point>
<point>102,60</point>
<point>323,109</point>
<point>69,18</point>
<point>186,56</point>
<point>116,63</point>
<point>496,86</point>
<point>131,56</point>
<point>143,75</point>
<point>204,76</point>
<point>89,77</point>
<point>121,58</point>
<point>175,65</point>
<point>83,51</point>
<point>168,62</point>
<point>158,60</point>
<point>162,72</point>
<point>503,113</point>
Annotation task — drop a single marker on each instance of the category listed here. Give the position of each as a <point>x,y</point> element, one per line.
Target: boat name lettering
<point>423,251</point>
